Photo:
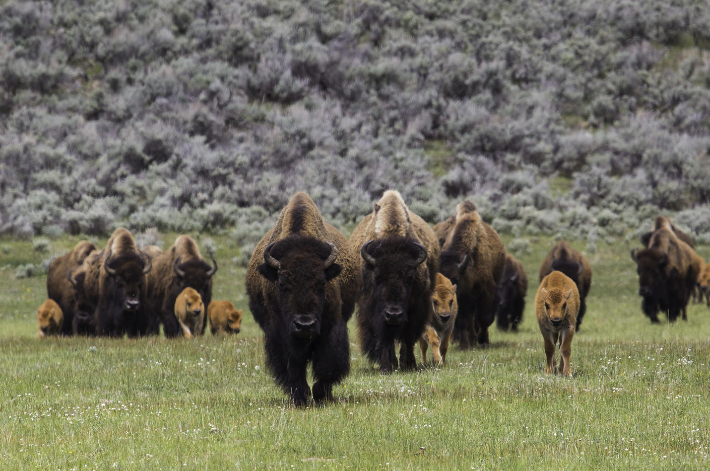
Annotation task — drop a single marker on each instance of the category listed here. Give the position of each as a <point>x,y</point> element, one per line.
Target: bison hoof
<point>385,371</point>
<point>322,392</point>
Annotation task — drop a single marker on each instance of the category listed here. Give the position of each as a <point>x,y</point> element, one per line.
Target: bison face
<point>301,267</point>
<point>650,266</point>
<point>195,274</point>
<point>128,276</point>
<point>444,304</point>
<point>556,305</point>
<point>234,320</point>
<point>507,289</point>
<point>453,266</point>
<point>83,308</point>
<point>392,264</point>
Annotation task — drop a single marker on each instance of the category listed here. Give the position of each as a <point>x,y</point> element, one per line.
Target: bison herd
<point>411,284</point>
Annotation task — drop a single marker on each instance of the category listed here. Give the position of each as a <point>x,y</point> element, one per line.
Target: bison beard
<point>305,321</point>
<point>395,304</point>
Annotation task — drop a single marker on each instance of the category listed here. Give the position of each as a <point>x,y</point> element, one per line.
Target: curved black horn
<point>333,255</point>
<point>149,262</point>
<point>463,263</point>
<point>515,276</point>
<point>633,254</point>
<point>176,268</point>
<point>269,259</point>
<point>366,255</point>
<point>422,254</point>
<point>71,278</point>
<point>580,269</point>
<point>108,269</point>
<point>212,270</point>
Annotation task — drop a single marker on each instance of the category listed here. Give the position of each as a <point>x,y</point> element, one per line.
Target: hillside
<point>556,117</point>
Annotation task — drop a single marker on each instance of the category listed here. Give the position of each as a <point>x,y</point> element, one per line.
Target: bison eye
<point>451,303</point>
<point>564,306</point>
<point>547,306</point>
<point>436,303</point>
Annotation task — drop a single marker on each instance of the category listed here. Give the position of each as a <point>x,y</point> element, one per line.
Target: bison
<point>179,267</point>
<point>399,255</point>
<point>224,318</point>
<point>59,288</point>
<point>473,258</point>
<point>440,329</point>
<point>556,305</point>
<point>302,283</point>
<point>704,283</point>
<point>114,282</point>
<point>662,221</point>
<point>668,271</point>
<point>190,312</point>
<point>152,251</point>
<point>49,318</point>
<point>442,229</point>
<point>512,288</point>
<point>572,263</point>
<point>84,320</point>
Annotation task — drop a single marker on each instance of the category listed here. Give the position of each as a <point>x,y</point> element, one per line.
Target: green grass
<point>638,398</point>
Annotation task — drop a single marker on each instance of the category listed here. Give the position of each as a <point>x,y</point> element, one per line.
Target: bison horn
<point>213,270</point>
<point>108,269</point>
<point>514,277</point>
<point>176,268</point>
<point>149,263</point>
<point>422,254</point>
<point>269,259</point>
<point>333,254</point>
<point>71,278</point>
<point>463,263</point>
<point>366,255</point>
<point>633,254</point>
<point>580,269</point>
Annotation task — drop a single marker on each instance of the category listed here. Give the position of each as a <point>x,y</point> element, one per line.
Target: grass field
<point>638,398</point>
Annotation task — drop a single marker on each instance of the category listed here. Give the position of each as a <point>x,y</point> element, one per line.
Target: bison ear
<point>268,272</point>
<point>544,293</point>
<point>377,207</point>
<point>645,238</point>
<point>333,271</point>
<point>453,289</point>
<point>569,295</point>
<point>442,241</point>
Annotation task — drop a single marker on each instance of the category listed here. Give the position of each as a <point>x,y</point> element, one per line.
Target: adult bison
<point>662,221</point>
<point>572,263</point>
<point>668,270</point>
<point>84,321</point>
<point>512,288</point>
<point>59,288</point>
<point>473,258</point>
<point>302,282</point>
<point>399,255</point>
<point>115,283</point>
<point>179,267</point>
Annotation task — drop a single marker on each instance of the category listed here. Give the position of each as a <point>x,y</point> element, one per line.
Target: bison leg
<point>550,341</point>
<point>407,360</point>
<point>566,352</point>
<point>445,345</point>
<point>388,358</point>
<point>331,362</point>
<point>502,319</point>
<point>517,315</point>
<point>580,314</point>
<point>171,328</point>
<point>485,313</point>
<point>423,346</point>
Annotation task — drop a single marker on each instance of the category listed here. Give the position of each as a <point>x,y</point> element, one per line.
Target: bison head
<point>556,305</point>
<point>128,274</point>
<point>444,299</point>
<point>301,266</point>
<point>453,266</point>
<point>234,320</point>
<point>650,266</point>
<point>572,269</point>
<point>195,274</point>
<point>391,264</point>
<point>507,288</point>
<point>50,318</point>
<point>83,308</point>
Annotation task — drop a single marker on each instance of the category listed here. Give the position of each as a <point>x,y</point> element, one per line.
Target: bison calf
<point>50,318</point>
<point>556,307</point>
<point>224,318</point>
<point>704,283</point>
<point>440,329</point>
<point>190,312</point>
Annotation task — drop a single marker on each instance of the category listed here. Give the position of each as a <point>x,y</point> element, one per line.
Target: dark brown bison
<point>512,288</point>
<point>115,283</point>
<point>572,263</point>
<point>662,221</point>
<point>399,254</point>
<point>302,282</point>
<point>84,321</point>
<point>473,258</point>
<point>668,271</point>
<point>442,229</point>
<point>179,267</point>
<point>59,288</point>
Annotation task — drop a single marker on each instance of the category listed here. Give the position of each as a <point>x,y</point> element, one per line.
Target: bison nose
<point>45,330</point>
<point>197,312</point>
<point>132,304</point>
<point>393,315</point>
<point>304,327</point>
<point>645,291</point>
<point>445,317</point>
<point>236,331</point>
<point>556,322</point>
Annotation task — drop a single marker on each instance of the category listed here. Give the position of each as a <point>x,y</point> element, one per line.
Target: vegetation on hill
<point>559,117</point>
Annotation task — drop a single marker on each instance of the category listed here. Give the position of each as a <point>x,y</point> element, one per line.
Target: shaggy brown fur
<point>556,305</point>
<point>473,258</point>
<point>224,318</point>
<point>114,282</point>
<point>512,288</point>
<point>190,312</point>
<point>49,318</point>
<point>59,288</point>
<point>152,250</point>
<point>395,305</point>
<point>179,267</point>
<point>302,299</point>
<point>442,229</point>
<point>704,282</point>
<point>662,221</point>
<point>572,263</point>
<point>439,331</point>
<point>668,271</point>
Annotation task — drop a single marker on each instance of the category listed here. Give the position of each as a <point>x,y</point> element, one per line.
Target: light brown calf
<point>50,318</point>
<point>224,318</point>
<point>556,308</point>
<point>190,312</point>
<point>439,331</point>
